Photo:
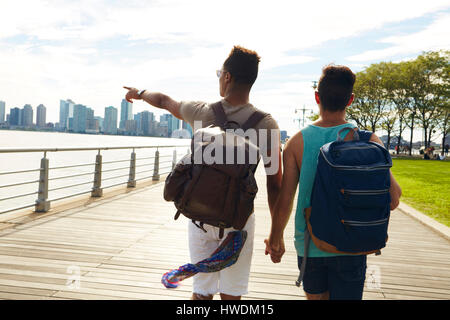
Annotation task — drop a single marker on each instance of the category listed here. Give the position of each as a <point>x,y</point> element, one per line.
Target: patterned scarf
<point>224,256</point>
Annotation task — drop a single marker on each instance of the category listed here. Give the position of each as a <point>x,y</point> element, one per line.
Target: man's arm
<point>156,99</point>
<point>274,184</point>
<point>292,156</point>
<point>394,190</point>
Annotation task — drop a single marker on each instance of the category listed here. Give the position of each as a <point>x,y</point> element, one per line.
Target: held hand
<point>276,249</point>
<point>131,94</point>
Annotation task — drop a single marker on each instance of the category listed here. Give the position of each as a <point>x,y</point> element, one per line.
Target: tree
<point>395,85</point>
<point>429,82</point>
<point>388,121</point>
<point>444,124</point>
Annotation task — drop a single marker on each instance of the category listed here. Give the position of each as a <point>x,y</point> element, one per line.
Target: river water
<point>9,162</point>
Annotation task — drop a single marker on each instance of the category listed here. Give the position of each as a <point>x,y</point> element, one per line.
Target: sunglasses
<point>219,72</point>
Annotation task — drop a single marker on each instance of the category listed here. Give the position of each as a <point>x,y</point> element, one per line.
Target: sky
<point>87,51</point>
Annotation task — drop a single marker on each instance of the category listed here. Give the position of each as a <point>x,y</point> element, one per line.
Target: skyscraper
<point>2,111</point>
<point>126,112</point>
<point>145,122</point>
<point>65,112</point>
<point>137,118</point>
<point>79,118</point>
<point>27,120</point>
<point>100,122</point>
<point>187,126</point>
<point>41,113</point>
<point>14,116</point>
<point>110,122</point>
<point>173,123</point>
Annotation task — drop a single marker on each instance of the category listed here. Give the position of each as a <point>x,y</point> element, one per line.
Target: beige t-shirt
<point>201,111</point>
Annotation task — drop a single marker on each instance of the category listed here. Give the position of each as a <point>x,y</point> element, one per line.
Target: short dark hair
<point>242,64</point>
<point>335,87</point>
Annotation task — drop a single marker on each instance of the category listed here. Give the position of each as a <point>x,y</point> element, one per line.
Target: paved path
<point>121,246</point>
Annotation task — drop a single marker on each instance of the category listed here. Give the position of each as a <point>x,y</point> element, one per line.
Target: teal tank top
<point>314,138</point>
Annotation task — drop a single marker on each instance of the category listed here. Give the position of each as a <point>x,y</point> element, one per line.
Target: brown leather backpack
<point>218,193</point>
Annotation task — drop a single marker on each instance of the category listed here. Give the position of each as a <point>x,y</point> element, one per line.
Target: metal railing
<point>158,165</point>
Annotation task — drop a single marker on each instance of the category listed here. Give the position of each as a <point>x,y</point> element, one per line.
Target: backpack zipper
<point>364,192</point>
<point>354,167</point>
<point>364,224</point>
<point>356,148</point>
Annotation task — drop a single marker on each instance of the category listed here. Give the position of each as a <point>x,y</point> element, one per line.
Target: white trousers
<point>232,280</point>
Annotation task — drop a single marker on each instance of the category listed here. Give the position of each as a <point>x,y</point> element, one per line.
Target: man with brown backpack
<point>236,78</point>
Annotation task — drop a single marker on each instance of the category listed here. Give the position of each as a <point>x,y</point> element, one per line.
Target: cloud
<point>434,37</point>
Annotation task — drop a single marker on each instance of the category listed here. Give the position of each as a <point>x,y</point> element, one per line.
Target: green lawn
<point>425,186</point>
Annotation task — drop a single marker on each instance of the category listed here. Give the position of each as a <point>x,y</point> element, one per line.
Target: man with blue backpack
<point>346,193</point>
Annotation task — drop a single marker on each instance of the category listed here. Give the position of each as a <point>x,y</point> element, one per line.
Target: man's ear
<point>351,100</point>
<point>316,96</point>
<point>227,77</point>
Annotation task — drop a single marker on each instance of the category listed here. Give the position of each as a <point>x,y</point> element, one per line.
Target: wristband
<point>140,93</point>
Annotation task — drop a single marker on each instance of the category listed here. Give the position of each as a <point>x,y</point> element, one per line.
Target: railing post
<point>156,167</point>
<point>132,177</point>
<point>42,203</point>
<point>174,159</point>
<point>97,190</point>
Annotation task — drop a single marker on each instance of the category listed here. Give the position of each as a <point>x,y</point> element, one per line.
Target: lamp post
<point>304,109</point>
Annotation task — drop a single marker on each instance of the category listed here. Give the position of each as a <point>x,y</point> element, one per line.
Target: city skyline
<point>78,118</point>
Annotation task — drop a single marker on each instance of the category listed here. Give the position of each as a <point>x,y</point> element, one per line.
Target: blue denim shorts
<point>342,276</point>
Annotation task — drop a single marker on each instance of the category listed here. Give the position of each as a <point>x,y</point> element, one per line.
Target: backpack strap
<point>256,117</point>
<point>355,134</point>
<point>364,135</point>
<point>361,135</point>
<point>221,117</point>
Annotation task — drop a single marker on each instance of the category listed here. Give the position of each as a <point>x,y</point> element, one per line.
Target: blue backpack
<point>350,200</point>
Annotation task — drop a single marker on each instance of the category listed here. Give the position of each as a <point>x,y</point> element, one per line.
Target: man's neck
<point>237,98</point>
<point>330,119</point>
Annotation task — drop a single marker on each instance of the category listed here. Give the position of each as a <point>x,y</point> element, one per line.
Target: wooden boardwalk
<point>118,248</point>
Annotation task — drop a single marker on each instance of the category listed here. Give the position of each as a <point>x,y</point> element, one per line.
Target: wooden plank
<point>21,296</point>
<point>27,291</point>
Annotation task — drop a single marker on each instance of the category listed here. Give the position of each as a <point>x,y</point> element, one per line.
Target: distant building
<point>14,115</point>
<point>27,120</point>
<point>161,129</point>
<point>110,122</point>
<point>173,123</point>
<point>92,126</point>
<point>137,118</point>
<point>100,123</point>
<point>65,113</point>
<point>130,127</point>
<point>89,114</point>
<point>146,119</point>
<point>41,114</point>
<point>187,126</point>
<point>79,118</point>
<point>283,135</point>
<point>2,111</point>
<point>126,112</point>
